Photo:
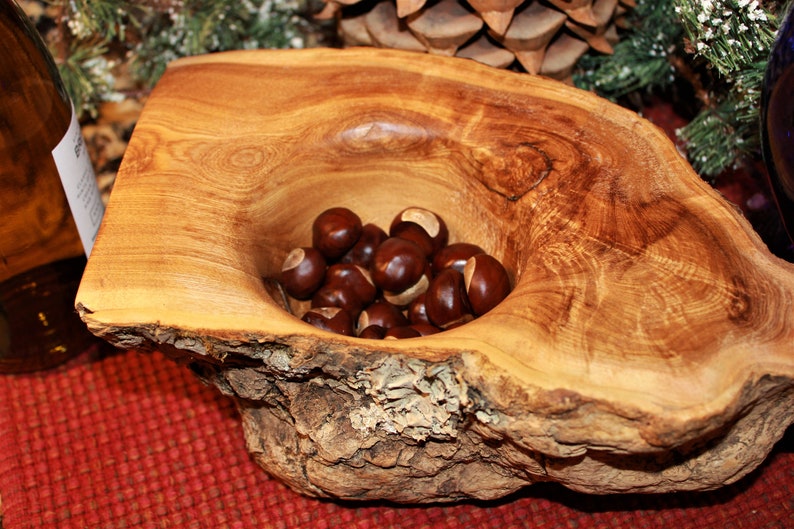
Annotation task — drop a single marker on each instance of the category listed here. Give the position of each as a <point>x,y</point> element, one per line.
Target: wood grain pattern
<point>648,344</point>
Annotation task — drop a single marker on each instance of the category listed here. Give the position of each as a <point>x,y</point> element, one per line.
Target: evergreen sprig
<point>198,27</point>
<point>731,35</point>
<point>733,38</point>
<point>89,19</point>
<point>88,76</point>
<point>720,47</point>
<point>725,133</point>
<point>149,34</point>
<point>641,59</point>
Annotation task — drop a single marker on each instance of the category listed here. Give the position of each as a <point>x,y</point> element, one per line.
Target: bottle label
<point>79,183</point>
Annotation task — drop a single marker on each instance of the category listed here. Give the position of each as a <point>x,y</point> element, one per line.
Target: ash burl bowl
<point>647,345</point>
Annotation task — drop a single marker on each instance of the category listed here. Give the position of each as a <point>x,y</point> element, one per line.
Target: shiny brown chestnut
<point>333,319</point>
<point>335,231</point>
<point>302,272</point>
<point>487,282</point>
<point>373,332</point>
<point>383,314</point>
<point>363,251</point>
<point>337,295</point>
<point>417,235</point>
<point>404,298</point>
<point>446,301</point>
<point>397,264</point>
<point>402,332</point>
<point>455,256</point>
<point>425,329</point>
<point>423,227</point>
<point>417,311</point>
<point>354,278</point>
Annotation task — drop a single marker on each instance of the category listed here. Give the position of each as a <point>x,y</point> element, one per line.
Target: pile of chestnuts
<point>405,283</point>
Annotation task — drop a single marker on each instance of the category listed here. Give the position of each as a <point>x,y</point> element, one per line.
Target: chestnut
<point>336,295</point>
<point>487,282</point>
<point>398,333</point>
<point>426,229</point>
<point>364,250</point>
<point>417,311</point>
<point>333,319</point>
<point>302,272</point>
<point>446,301</point>
<point>400,284</point>
<point>373,332</point>
<point>404,298</point>
<point>354,278</point>
<point>397,264</point>
<point>416,234</point>
<point>455,256</point>
<point>383,314</point>
<point>335,231</point>
<point>425,329</point>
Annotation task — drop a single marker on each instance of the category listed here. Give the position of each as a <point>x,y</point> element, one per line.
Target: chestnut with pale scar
<point>406,283</point>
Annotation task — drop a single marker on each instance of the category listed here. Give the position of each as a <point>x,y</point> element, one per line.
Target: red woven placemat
<point>134,440</point>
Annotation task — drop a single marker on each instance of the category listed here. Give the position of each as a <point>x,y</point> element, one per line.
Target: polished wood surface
<point>648,343</point>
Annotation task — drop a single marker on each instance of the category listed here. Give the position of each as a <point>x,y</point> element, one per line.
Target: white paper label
<point>79,183</point>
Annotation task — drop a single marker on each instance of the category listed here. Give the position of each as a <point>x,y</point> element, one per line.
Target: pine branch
<point>724,134</point>
<point>719,47</point>
<point>730,34</point>
<point>87,34</point>
<point>88,19</point>
<point>88,76</point>
<point>199,27</point>
<point>734,38</point>
<point>641,59</point>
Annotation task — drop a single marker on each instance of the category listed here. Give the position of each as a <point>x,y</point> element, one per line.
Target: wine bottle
<point>50,205</point>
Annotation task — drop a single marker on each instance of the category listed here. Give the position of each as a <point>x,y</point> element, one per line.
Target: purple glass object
<point>777,122</point>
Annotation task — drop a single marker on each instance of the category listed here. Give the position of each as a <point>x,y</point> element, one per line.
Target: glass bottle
<point>50,206</point>
<point>777,130</point>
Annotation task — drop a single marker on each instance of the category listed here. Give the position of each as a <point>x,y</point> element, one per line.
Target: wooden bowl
<point>648,344</point>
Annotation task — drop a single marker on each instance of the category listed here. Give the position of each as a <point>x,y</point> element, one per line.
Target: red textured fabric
<point>134,440</point>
